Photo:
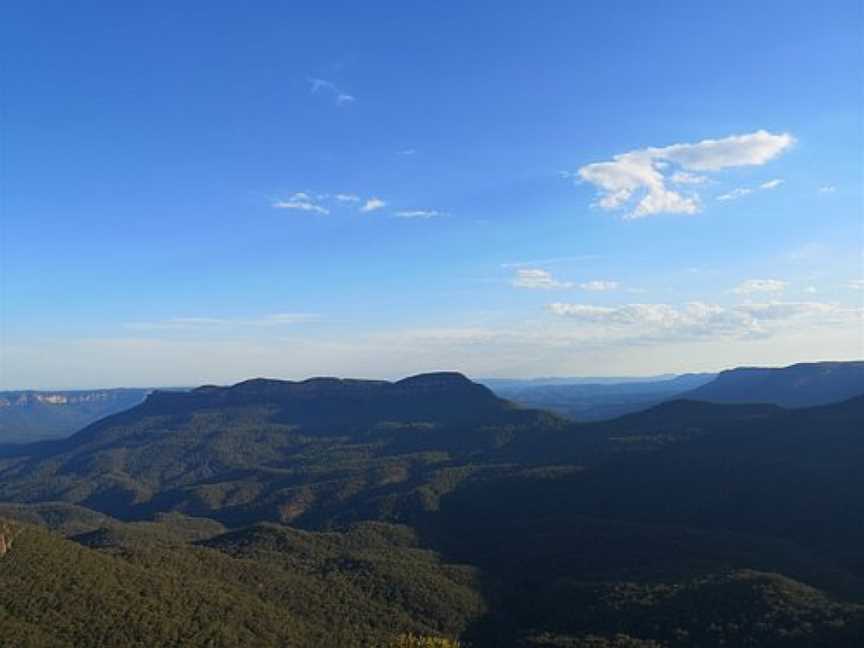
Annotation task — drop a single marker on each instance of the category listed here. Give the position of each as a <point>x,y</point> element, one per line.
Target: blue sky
<point>203,192</point>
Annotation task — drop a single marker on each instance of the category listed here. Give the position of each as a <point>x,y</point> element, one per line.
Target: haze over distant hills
<point>589,401</point>
<point>798,385</point>
<point>39,415</point>
<point>296,512</point>
<point>520,383</point>
<point>35,415</point>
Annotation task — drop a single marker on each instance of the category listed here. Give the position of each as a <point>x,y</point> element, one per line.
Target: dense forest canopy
<point>368,513</point>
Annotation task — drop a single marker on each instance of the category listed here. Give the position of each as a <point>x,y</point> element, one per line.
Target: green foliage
<point>267,586</point>
<point>432,512</point>
<point>742,608</point>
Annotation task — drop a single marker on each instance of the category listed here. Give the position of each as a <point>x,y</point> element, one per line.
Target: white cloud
<point>827,189</point>
<point>599,285</point>
<point>744,191</point>
<point>537,278</point>
<point>349,198</point>
<point>373,204</point>
<point>301,205</point>
<point>323,203</point>
<point>661,320</point>
<point>735,194</point>
<point>699,319</point>
<point>635,173</point>
<point>682,177</point>
<point>330,87</point>
<point>776,310</point>
<point>636,179</point>
<point>752,149</point>
<point>418,213</point>
<point>856,284</point>
<point>759,286</point>
<point>585,312</point>
<point>409,151</point>
<point>554,345</point>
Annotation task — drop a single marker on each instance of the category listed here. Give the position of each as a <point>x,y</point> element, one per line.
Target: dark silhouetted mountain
<point>799,385</point>
<point>429,505</point>
<point>268,449</point>
<point>332,401</point>
<point>27,416</point>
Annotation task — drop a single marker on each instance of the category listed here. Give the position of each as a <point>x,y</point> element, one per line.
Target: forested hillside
<point>342,513</point>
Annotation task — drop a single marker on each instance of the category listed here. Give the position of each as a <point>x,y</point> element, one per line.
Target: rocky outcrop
<point>21,399</point>
<point>8,533</point>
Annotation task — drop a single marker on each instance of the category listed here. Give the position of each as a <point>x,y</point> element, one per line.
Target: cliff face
<point>30,398</point>
<point>35,415</point>
<point>8,532</point>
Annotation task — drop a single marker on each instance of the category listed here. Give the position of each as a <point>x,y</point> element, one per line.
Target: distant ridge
<point>266,449</point>
<point>441,396</point>
<point>598,401</point>
<point>34,415</point>
<point>798,385</point>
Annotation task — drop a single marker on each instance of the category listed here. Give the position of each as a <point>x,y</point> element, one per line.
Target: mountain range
<point>799,385</point>
<point>37,415</point>
<point>333,512</point>
<point>595,401</point>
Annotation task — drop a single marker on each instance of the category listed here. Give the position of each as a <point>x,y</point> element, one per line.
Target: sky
<point>203,192</point>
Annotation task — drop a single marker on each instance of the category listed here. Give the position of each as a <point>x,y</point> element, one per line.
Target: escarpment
<point>8,533</point>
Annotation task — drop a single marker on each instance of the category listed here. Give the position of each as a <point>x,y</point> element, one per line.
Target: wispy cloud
<point>735,194</point>
<point>752,286</point>
<point>408,151</point>
<point>856,284</point>
<point>700,319</point>
<point>599,285</point>
<point>216,323</point>
<point>341,97</point>
<point>744,191</point>
<point>419,213</point>
<point>300,205</point>
<point>347,198</point>
<point>535,278</point>
<point>827,189</point>
<point>373,204</point>
<point>636,181</point>
<point>682,177</point>
<point>324,203</point>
